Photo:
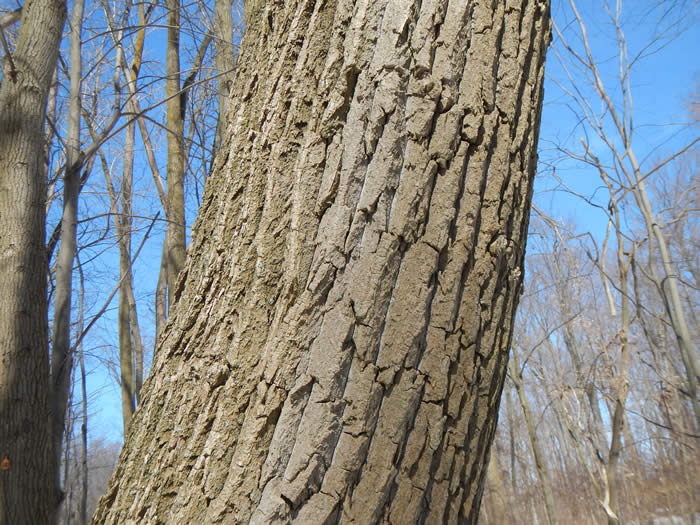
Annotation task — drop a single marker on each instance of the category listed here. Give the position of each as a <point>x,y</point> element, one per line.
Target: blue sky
<point>661,84</point>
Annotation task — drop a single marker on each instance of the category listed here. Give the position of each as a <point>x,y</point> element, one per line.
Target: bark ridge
<point>341,334</point>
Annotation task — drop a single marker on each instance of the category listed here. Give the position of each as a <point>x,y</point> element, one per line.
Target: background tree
<point>84,84</point>
<point>176,155</point>
<point>28,491</point>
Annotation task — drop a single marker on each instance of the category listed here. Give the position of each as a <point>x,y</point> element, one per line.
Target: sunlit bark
<point>340,334</point>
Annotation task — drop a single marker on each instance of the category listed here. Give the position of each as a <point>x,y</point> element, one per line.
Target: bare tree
<point>176,154</point>
<point>61,351</point>
<point>28,490</point>
<point>614,125</point>
<point>515,373</point>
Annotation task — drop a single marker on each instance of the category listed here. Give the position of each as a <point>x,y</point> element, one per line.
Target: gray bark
<point>61,350</point>
<point>82,504</point>
<point>28,492</point>
<point>339,342</point>
<point>497,498</point>
<point>540,461</point>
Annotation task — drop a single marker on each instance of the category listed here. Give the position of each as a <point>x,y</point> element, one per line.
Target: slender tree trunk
<point>130,346</point>
<point>161,301</point>
<point>66,458</point>
<point>225,63</point>
<point>511,440</point>
<point>138,345</point>
<point>341,336</point>
<point>540,461</point>
<point>620,383</point>
<point>49,131</point>
<point>61,351</point>
<point>82,506</point>
<point>28,473</point>
<point>126,362</point>
<point>175,236</point>
<point>620,378</point>
<point>494,484</point>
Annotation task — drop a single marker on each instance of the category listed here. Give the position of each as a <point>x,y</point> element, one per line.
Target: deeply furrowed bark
<point>340,337</point>
<point>28,493</point>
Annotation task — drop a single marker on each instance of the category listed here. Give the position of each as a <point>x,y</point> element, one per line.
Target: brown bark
<point>175,236</point>
<point>225,63</point>
<point>340,338</point>
<point>28,492</point>
<point>130,346</point>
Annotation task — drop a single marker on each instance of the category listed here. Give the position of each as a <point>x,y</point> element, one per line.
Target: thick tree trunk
<point>339,344</point>
<point>27,470</point>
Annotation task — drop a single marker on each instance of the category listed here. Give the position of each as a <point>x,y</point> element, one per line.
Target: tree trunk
<point>61,350</point>
<point>126,354</point>
<point>130,346</point>
<point>540,461</point>
<point>497,497</point>
<point>82,505</point>
<point>175,236</point>
<point>225,63</point>
<point>27,471</point>
<point>339,344</point>
<point>161,292</point>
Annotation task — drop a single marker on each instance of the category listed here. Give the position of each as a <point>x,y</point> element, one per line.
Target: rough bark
<point>339,342</point>
<point>27,477</point>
